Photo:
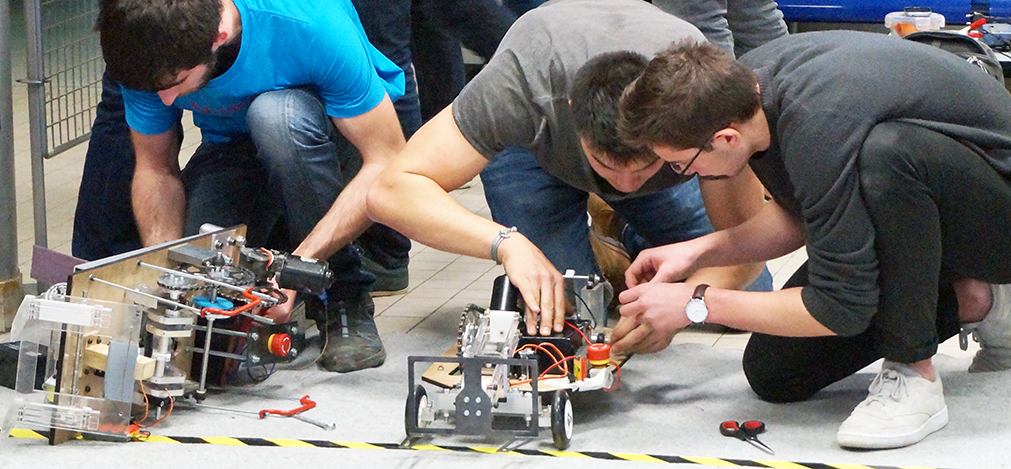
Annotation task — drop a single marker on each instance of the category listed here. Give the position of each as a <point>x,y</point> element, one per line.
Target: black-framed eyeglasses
<point>677,166</point>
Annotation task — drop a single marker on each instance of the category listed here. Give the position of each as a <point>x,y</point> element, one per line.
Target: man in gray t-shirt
<point>517,111</point>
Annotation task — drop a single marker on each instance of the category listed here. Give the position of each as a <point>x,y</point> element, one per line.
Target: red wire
<point>172,402</point>
<point>270,256</point>
<point>147,404</point>
<point>587,339</point>
<point>254,301</point>
<point>562,361</point>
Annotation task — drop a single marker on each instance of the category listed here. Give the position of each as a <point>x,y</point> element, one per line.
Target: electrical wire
<point>255,300</point>
<point>172,402</point>
<point>587,339</point>
<point>588,309</point>
<point>564,362</point>
<point>542,377</point>
<point>270,257</point>
<point>249,372</point>
<point>543,348</point>
<point>147,406</point>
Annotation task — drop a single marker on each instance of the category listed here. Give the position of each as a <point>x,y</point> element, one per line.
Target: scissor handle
<point>730,428</point>
<point>753,427</point>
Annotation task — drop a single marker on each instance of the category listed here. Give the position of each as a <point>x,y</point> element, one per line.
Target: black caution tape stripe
<point>614,456</point>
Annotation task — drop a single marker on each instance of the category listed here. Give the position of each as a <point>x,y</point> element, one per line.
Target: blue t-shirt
<point>285,44</point>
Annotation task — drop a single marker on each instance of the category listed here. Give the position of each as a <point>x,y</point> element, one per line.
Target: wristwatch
<point>696,309</point>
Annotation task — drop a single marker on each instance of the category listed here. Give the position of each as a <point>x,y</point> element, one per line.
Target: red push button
<point>279,344</point>
<point>598,354</point>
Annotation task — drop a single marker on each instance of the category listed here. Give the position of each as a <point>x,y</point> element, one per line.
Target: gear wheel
<point>175,282</point>
<point>56,292</point>
<point>232,275</point>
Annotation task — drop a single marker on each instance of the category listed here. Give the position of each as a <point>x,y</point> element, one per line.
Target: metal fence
<point>64,78</point>
<point>73,69</point>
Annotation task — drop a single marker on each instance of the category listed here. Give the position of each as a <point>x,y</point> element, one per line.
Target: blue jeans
<point>387,23</point>
<point>737,26</point>
<point>552,214</point>
<point>437,30</point>
<point>281,180</point>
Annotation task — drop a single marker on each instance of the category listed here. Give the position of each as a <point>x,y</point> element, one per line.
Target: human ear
<point>220,39</point>
<point>729,137</point>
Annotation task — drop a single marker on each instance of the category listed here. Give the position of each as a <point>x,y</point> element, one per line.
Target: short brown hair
<point>146,43</point>
<point>688,92</point>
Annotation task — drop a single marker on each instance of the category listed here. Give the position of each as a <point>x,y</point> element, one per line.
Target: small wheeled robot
<point>498,381</point>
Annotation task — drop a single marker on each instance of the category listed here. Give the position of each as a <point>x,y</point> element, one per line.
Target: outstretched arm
<point>770,234</point>
<point>378,137</point>
<point>411,196</point>
<point>731,202</point>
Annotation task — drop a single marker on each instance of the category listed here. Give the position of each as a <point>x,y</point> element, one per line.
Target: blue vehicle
<point>955,12</point>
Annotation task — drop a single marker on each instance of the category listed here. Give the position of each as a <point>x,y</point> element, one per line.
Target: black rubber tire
<point>420,398</point>
<point>561,419</point>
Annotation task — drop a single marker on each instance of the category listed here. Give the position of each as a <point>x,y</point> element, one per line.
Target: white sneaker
<point>993,334</point>
<point>901,409</point>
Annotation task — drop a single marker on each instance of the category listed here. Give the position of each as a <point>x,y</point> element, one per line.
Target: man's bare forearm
<point>346,219</point>
<point>159,200</point>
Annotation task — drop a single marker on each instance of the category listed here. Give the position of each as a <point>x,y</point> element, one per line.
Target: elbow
<point>376,199</point>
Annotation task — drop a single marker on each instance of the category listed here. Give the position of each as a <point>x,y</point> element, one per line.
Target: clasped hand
<point>652,309</point>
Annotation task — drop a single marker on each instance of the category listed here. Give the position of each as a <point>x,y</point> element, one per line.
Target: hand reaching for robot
<point>630,336</point>
<point>281,312</point>
<point>662,264</point>
<point>538,281</point>
<point>651,314</point>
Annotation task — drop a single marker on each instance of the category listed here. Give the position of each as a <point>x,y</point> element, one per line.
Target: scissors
<point>747,431</point>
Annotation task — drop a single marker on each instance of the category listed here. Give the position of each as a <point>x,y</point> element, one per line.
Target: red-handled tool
<point>747,431</point>
<point>306,405</point>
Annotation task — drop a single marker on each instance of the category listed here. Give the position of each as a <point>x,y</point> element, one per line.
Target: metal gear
<point>232,275</point>
<point>170,281</point>
<point>56,292</point>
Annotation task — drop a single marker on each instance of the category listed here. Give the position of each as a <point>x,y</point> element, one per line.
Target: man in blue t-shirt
<point>295,111</point>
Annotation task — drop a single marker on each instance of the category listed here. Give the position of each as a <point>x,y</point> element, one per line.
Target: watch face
<point>696,310</point>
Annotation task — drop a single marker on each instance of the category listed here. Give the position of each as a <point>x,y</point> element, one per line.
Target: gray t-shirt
<point>822,93</point>
<point>520,98</point>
